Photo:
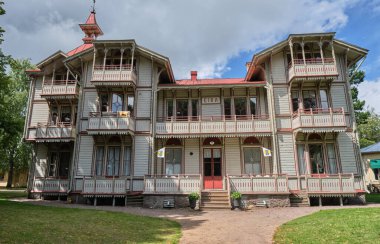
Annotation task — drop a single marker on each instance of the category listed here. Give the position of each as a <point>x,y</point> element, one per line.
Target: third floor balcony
<point>107,123</point>
<point>114,75</point>
<point>58,89</point>
<point>313,68</point>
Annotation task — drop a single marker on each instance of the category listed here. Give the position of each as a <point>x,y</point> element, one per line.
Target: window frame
<point>181,159</point>
<point>262,161</point>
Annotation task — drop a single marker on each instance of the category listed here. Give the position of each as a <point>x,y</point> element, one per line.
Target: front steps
<point>135,200</point>
<point>299,199</point>
<point>215,200</point>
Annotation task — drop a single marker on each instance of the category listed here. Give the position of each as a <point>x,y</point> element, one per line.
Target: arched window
<point>213,141</point>
<point>173,142</point>
<point>251,140</point>
<point>314,137</point>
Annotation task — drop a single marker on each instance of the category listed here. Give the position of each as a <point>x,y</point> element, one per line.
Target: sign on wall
<point>210,100</point>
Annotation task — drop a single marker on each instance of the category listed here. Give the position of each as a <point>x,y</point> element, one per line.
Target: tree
<point>357,77</point>
<point>370,131</point>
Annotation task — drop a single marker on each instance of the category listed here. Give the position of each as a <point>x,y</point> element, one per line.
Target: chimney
<point>193,75</point>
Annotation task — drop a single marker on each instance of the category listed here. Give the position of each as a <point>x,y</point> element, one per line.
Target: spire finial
<point>93,7</point>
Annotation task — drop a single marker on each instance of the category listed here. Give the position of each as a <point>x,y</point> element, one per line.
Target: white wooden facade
<point>122,104</point>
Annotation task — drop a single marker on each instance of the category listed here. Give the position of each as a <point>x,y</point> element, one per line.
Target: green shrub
<point>236,195</point>
<point>194,196</point>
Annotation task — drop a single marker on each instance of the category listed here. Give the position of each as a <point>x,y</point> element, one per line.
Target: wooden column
<point>332,51</point>
<point>121,61</point>
<point>291,52</point>
<point>104,61</point>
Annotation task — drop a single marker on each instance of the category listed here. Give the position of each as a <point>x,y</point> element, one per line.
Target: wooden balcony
<point>60,89</point>
<point>114,75</point>
<point>182,126</point>
<point>61,132</point>
<point>319,120</point>
<point>249,184</point>
<point>50,186</point>
<point>315,68</point>
<point>105,123</point>
<point>172,184</point>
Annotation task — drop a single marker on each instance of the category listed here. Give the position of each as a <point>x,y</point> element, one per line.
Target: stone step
<point>211,198</point>
<point>215,206</point>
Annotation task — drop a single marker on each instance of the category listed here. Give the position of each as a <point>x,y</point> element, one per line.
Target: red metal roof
<point>79,49</point>
<point>91,20</point>
<point>204,82</point>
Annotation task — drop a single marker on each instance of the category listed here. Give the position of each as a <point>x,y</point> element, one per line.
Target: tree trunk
<point>11,168</point>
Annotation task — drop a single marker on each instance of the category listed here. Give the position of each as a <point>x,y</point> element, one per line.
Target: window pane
<point>252,103</point>
<point>252,160</point>
<point>117,102</point>
<point>64,162</point>
<point>53,164</point>
<point>240,106</point>
<point>113,161</point>
<point>301,159</point>
<point>295,101</point>
<point>182,108</point>
<point>104,102</point>
<point>227,107</point>
<point>169,104</point>
<point>99,160</point>
<point>66,114</point>
<point>332,164</point>
<point>194,108</point>
<point>309,99</point>
<point>54,115</point>
<point>173,159</point>
<point>130,104</point>
<point>324,101</point>
<point>127,160</point>
<point>316,159</point>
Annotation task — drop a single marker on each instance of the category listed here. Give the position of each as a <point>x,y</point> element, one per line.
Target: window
<point>59,164</point>
<point>182,108</point>
<point>104,102</point>
<point>252,160</point>
<point>99,160</point>
<point>252,105</point>
<point>301,159</point>
<point>130,103</point>
<point>295,105</point>
<point>113,161</point>
<point>194,108</point>
<point>316,159</point>
<point>227,107</point>
<point>324,100</point>
<point>173,158</point>
<point>127,160</point>
<point>54,115</point>
<point>309,100</point>
<point>117,102</point>
<point>240,106</point>
<point>332,162</point>
<point>66,114</point>
<point>169,108</point>
<point>376,172</point>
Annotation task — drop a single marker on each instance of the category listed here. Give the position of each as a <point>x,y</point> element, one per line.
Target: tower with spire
<point>91,28</point>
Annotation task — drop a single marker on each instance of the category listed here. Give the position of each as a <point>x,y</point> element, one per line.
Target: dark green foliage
<point>357,77</point>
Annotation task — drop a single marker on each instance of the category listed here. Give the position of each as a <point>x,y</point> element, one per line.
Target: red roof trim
<point>80,49</point>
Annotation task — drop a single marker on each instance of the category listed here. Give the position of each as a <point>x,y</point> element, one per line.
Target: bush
<point>236,195</point>
<point>194,196</point>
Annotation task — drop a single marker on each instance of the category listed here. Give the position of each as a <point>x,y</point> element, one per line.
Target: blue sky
<point>214,37</point>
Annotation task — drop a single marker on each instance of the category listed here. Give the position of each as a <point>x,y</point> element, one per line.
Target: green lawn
<point>7,194</point>
<point>356,225</point>
<point>374,197</point>
<point>26,223</point>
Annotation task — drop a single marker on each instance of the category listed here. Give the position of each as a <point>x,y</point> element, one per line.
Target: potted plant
<point>236,196</point>
<point>193,197</point>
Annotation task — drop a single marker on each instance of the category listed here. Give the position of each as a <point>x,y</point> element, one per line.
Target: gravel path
<point>216,226</point>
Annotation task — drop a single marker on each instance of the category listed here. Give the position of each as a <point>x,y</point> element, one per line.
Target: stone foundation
<point>157,201</point>
<point>272,201</point>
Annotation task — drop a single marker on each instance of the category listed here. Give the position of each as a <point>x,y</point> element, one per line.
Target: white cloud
<point>369,91</point>
<point>195,35</point>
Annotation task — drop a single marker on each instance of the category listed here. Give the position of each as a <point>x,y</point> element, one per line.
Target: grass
<point>8,194</point>
<point>374,197</point>
<point>356,225</point>
<point>26,223</point>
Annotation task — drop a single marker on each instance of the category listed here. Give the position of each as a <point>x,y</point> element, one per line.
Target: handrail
<point>114,67</point>
<point>212,118</point>
<point>110,114</point>
<point>311,61</point>
<point>59,82</point>
<point>302,111</point>
<point>57,125</point>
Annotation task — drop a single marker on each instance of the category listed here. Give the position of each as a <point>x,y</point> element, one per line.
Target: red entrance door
<point>212,168</point>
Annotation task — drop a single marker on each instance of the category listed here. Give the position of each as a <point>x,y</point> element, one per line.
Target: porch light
<point>212,143</point>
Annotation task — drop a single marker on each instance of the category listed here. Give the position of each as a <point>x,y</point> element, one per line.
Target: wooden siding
<point>211,109</point>
<point>267,160</point>
<point>89,103</point>
<point>142,155</point>
<point>278,69</point>
<point>283,123</point>
<point>281,100</point>
<point>143,125</point>
<point>211,93</point>
<point>338,96</point>
<point>160,105</point>
<point>84,125</point>
<point>347,154</point>
<point>240,91</point>
<point>232,154</point>
<point>262,102</point>
<point>144,103</point>
<point>41,160</point>
<point>286,151</point>
<point>340,67</point>
<point>40,114</point>
<point>86,147</point>
<point>38,89</point>
<point>145,72</point>
<point>192,161</point>
<point>89,74</point>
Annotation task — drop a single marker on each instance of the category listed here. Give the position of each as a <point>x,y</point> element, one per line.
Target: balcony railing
<point>60,131</point>
<point>104,186</point>
<point>250,184</point>
<point>213,124</point>
<point>60,88</point>
<point>312,68</point>
<point>108,123</point>
<point>172,184</point>
<point>317,118</point>
<point>114,75</point>
<point>45,185</point>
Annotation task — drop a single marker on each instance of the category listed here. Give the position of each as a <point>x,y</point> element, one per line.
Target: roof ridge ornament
<point>93,7</point>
